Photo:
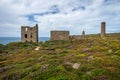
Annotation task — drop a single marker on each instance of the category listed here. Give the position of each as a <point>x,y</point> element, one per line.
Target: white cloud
<point>73,15</point>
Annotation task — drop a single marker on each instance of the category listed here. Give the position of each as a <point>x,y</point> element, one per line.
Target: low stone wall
<point>75,37</point>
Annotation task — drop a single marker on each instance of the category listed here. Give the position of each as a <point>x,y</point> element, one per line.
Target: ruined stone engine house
<point>59,35</point>
<point>29,34</point>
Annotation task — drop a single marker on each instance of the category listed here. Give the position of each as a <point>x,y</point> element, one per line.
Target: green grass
<point>20,61</point>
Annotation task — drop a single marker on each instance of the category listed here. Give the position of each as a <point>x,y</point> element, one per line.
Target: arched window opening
<point>25,35</point>
<point>26,29</point>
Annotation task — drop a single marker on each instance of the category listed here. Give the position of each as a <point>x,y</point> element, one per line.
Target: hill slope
<point>92,58</point>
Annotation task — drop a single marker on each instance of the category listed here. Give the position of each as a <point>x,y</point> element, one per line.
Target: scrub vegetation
<point>98,59</point>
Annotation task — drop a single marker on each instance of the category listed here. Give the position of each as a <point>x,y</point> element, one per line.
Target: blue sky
<point>72,15</point>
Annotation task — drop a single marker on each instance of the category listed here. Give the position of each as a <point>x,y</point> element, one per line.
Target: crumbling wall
<point>75,37</point>
<point>59,35</point>
<point>29,34</point>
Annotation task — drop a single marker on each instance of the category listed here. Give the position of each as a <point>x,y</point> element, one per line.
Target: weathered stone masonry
<point>29,34</point>
<point>75,37</point>
<point>103,26</point>
<point>59,35</point>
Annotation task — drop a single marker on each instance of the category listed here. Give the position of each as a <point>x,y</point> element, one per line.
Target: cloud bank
<point>72,15</point>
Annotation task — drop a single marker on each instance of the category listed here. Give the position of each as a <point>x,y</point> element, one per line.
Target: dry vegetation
<point>99,59</point>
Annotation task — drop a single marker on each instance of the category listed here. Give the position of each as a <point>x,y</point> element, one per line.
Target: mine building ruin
<point>75,37</point>
<point>59,35</point>
<point>64,35</point>
<point>29,34</point>
<point>83,34</point>
<point>103,26</point>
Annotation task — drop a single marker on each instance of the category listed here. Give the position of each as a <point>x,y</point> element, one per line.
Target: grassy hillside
<point>92,58</point>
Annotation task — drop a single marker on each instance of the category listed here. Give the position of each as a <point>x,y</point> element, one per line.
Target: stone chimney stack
<point>103,25</point>
<point>37,32</point>
<point>83,34</point>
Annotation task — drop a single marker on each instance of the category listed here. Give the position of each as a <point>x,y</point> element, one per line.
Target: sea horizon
<point>6,40</point>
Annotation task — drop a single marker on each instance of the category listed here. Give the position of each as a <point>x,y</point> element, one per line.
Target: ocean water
<point>6,40</point>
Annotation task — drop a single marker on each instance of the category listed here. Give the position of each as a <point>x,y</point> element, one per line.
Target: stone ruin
<point>83,34</point>
<point>75,37</point>
<point>64,35</point>
<point>103,26</point>
<point>29,34</point>
<point>59,35</point>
